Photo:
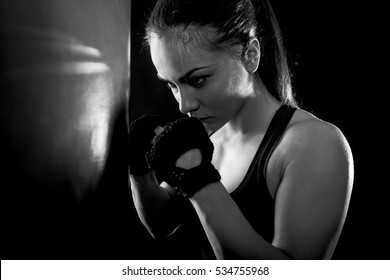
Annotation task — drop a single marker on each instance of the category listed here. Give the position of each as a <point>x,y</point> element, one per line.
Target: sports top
<point>252,195</point>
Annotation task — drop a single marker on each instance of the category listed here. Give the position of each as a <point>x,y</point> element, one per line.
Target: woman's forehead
<point>170,55</point>
<point>186,40</point>
<point>172,45</point>
<point>190,35</point>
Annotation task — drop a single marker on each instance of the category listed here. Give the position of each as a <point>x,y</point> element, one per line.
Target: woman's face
<point>210,85</point>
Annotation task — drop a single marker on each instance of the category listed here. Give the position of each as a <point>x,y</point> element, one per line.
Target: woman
<point>272,181</point>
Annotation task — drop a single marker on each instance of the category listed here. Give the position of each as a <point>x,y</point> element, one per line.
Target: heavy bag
<point>64,76</point>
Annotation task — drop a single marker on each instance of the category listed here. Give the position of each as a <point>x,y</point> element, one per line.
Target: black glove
<point>141,135</point>
<point>177,138</point>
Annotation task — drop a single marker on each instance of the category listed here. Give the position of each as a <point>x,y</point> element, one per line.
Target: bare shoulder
<point>310,143</point>
<point>312,171</point>
<point>306,130</point>
<point>314,141</point>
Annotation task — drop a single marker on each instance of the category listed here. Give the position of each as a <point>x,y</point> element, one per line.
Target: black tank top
<point>252,195</point>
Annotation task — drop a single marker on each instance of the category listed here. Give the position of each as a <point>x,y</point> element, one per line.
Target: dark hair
<point>232,23</point>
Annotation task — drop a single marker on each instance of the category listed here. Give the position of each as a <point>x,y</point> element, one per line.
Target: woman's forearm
<point>154,205</point>
<point>228,231</point>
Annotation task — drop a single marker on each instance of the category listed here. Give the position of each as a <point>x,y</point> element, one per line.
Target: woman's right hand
<point>142,132</point>
<point>181,156</point>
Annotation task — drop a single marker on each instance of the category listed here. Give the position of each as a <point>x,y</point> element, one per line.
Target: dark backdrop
<point>57,200</point>
<point>330,48</point>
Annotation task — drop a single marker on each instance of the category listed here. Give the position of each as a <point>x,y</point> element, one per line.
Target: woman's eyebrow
<point>184,78</point>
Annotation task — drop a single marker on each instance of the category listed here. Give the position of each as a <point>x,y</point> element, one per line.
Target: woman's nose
<point>187,102</point>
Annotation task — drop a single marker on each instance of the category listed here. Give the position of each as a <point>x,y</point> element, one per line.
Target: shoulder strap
<point>272,136</point>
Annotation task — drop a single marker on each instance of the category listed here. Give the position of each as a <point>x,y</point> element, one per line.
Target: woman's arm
<point>312,200</point>
<point>310,204</point>
<point>155,204</point>
<point>230,234</point>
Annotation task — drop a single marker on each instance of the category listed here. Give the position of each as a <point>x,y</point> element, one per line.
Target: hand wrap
<point>141,135</point>
<point>177,138</point>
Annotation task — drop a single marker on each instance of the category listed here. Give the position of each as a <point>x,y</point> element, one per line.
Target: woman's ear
<point>251,57</point>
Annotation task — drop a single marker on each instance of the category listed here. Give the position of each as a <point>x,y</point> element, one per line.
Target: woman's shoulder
<point>306,131</point>
<point>313,178</point>
<point>311,143</point>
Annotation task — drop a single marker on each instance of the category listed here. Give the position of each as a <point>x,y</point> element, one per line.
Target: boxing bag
<point>64,78</point>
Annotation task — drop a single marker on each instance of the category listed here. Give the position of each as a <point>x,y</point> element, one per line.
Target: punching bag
<point>64,78</point>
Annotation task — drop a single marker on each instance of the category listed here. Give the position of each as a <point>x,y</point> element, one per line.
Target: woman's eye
<point>197,81</point>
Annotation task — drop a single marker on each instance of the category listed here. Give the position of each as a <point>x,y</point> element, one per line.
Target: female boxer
<point>266,179</point>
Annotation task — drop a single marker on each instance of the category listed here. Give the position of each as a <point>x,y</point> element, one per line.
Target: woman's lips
<point>204,119</point>
<point>207,120</point>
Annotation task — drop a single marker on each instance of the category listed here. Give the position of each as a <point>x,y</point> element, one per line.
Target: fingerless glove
<point>141,135</point>
<point>177,138</point>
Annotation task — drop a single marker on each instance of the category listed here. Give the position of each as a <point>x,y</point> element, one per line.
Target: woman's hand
<point>188,160</point>
<point>181,155</point>
<point>141,134</point>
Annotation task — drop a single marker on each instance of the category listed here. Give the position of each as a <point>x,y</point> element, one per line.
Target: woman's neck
<point>254,116</point>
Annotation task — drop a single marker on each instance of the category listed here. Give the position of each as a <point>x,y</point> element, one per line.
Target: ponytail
<point>273,68</point>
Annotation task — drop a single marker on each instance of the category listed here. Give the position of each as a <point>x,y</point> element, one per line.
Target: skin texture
<point>214,90</point>
<point>309,175</point>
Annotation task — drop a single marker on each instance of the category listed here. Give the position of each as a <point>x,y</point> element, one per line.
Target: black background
<point>332,50</point>
<point>336,57</point>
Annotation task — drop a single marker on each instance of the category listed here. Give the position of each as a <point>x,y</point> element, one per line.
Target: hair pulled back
<point>227,23</point>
